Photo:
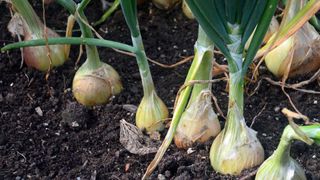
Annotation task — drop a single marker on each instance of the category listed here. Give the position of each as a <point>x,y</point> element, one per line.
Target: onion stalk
<point>199,122</point>
<point>33,28</point>
<point>152,111</point>
<point>299,53</point>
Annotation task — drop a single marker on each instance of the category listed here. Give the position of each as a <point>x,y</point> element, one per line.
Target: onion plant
<point>152,111</point>
<point>198,122</point>
<point>280,165</point>
<point>41,58</point>
<point>95,81</point>
<point>229,24</point>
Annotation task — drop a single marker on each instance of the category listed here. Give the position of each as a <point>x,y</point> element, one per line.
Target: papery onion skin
<point>242,156</point>
<point>95,87</point>
<point>151,113</point>
<point>298,54</point>
<point>198,123</point>
<point>302,47</point>
<point>236,147</point>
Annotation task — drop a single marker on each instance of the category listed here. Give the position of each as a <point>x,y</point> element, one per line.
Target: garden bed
<point>38,135</point>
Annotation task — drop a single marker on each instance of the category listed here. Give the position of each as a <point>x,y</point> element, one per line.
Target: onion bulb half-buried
<point>198,122</point>
<point>95,86</point>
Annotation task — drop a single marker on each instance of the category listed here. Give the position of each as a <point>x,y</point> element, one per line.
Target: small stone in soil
<point>161,177</point>
<point>190,151</point>
<point>39,111</point>
<point>130,107</point>
<point>277,109</point>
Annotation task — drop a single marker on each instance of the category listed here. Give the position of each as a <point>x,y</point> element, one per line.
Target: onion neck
<point>146,78</point>
<point>236,103</point>
<point>236,83</point>
<point>282,153</point>
<point>93,59</point>
<point>32,20</point>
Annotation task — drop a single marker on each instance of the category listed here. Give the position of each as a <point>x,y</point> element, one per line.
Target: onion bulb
<point>30,26</point>
<point>151,113</point>
<point>280,165</point>
<point>302,47</point>
<point>198,123</point>
<point>37,57</point>
<point>165,4</point>
<point>236,147</point>
<point>95,86</point>
<point>299,53</point>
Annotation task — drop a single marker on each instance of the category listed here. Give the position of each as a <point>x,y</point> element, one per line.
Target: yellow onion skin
<point>274,170</point>
<point>303,47</point>
<point>96,87</point>
<point>151,113</point>
<point>198,123</point>
<point>165,4</point>
<point>37,57</point>
<point>236,147</point>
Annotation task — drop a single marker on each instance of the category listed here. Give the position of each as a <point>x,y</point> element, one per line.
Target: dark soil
<point>51,147</point>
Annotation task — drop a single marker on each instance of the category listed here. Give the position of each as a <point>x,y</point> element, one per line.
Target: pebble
<point>161,177</point>
<point>277,109</point>
<point>75,124</point>
<point>264,134</point>
<point>315,102</point>
<point>190,151</point>
<point>39,111</point>
<point>130,107</point>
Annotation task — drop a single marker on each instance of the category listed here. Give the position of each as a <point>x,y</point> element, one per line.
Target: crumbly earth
<point>70,141</point>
